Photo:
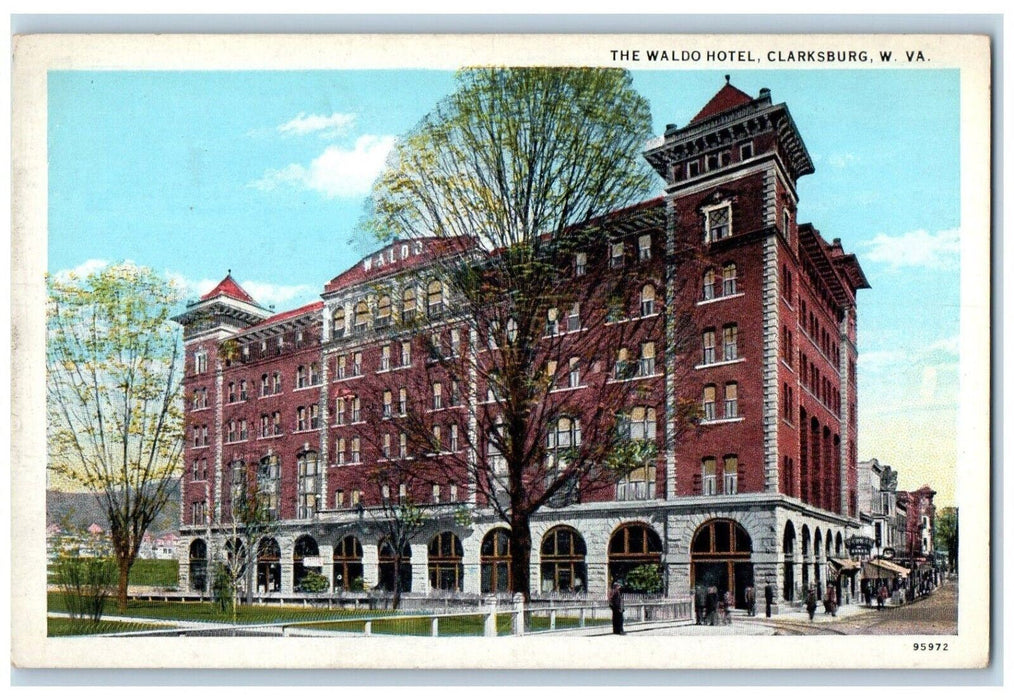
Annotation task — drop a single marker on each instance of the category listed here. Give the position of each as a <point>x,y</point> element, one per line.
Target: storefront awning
<point>881,568</point>
<point>844,564</point>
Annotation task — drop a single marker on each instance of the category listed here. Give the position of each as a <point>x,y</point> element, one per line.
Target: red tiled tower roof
<point>230,288</point>
<point>725,99</point>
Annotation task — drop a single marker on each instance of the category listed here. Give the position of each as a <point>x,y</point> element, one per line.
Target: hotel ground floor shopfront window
<point>269,566</point>
<point>386,567</point>
<point>633,546</point>
<point>495,561</point>
<point>563,568</point>
<point>720,557</point>
<point>348,565</point>
<point>446,571</point>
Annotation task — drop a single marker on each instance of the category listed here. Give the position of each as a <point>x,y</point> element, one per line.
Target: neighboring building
<point>919,523</point>
<point>879,512</point>
<point>766,489</point>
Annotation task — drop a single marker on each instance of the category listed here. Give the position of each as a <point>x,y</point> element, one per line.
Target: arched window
<point>648,300</point>
<point>348,565</point>
<point>720,556</point>
<point>633,546</point>
<point>563,568</point>
<point>383,311</point>
<point>307,464</point>
<point>269,566</point>
<point>495,561</point>
<point>198,565</point>
<point>709,285</point>
<point>446,570</point>
<point>386,566</point>
<point>338,322</point>
<point>362,318</point>
<point>305,549</point>
<point>729,279</point>
<point>434,298</point>
<point>408,306</point>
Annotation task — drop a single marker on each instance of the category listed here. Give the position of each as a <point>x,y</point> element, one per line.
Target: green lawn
<point>66,627</point>
<point>163,573</point>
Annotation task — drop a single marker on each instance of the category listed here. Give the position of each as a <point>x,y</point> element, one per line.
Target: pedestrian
<point>769,597</point>
<point>616,605</point>
<point>831,600</point>
<point>881,597</point>
<point>811,601</point>
<point>699,595</point>
<point>751,601</point>
<point>711,605</point>
<point>729,603</point>
<point>868,594</point>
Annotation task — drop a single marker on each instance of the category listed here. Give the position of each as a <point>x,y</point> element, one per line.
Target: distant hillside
<point>81,509</point>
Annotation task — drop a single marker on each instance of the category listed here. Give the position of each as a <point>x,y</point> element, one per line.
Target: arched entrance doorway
<point>348,565</point>
<point>305,558</point>
<point>495,561</point>
<point>385,567</point>
<point>269,566</point>
<point>720,556</point>
<point>631,546</point>
<point>446,570</point>
<point>198,565</point>
<point>789,567</point>
<point>563,568</point>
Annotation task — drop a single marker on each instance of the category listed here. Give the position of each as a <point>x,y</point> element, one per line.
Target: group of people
<point>711,607</point>
<point>830,601</point>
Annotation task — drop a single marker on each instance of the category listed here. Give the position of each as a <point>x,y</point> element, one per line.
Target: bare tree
<point>542,312</point>
<point>115,423</point>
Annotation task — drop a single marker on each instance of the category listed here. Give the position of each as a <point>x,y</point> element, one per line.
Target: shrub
<point>221,586</point>
<point>85,582</point>
<point>646,578</point>
<point>313,583</point>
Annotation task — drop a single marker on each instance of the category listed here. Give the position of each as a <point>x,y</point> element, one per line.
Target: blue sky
<point>264,173</point>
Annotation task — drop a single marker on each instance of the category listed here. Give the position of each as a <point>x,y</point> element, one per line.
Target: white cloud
<point>264,293</point>
<point>337,172</point>
<point>842,160</point>
<point>86,268</point>
<point>950,346</point>
<point>326,126</point>
<point>935,251</point>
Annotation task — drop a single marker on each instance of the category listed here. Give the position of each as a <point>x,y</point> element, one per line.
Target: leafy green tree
<point>115,423</point>
<point>945,534</point>
<point>313,582</point>
<point>512,178</point>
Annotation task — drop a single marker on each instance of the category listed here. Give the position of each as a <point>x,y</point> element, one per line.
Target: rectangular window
<point>342,363</point>
<point>436,493</point>
<point>616,255</point>
<point>438,396</point>
<point>730,350</point>
<point>387,403</point>
<point>355,450</point>
<point>386,448</point>
<point>276,383</point>
<point>406,354</point>
<point>730,475</point>
<point>403,445</point>
<point>232,392</point>
<point>340,451</point>
<point>574,318</point>
<point>385,357</point>
<point>276,419</point>
<point>644,247</point>
<point>708,347</point>
<point>357,364</point>
<point>731,400</point>
<point>746,151</point>
<point>242,390</point>
<point>574,375</point>
<point>454,437</point>
<point>729,279</point>
<point>300,418</point>
<point>719,223</point>
<point>693,168</point>
<point>356,409</point>
<point>647,367</point>
<point>314,417</point>
<point>709,472</point>
<point>455,342</point>
<point>242,429</point>
<point>708,403</point>
<point>402,401</point>
<point>580,264</point>
<point>200,362</point>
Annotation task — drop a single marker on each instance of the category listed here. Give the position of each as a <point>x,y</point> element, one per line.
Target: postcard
<point>501,351</point>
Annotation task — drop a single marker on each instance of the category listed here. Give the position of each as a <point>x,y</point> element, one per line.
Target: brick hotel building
<point>763,489</point>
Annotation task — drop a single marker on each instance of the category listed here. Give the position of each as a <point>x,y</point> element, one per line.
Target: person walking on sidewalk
<point>751,601</point>
<point>769,596</point>
<point>811,602</point>
<point>699,596</point>
<point>616,606</point>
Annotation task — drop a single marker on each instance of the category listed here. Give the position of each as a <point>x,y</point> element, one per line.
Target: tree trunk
<point>521,555</point>
<point>396,600</point>
<point>121,588</point>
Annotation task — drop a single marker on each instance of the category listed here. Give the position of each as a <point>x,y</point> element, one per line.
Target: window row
<point>721,284</point>
<point>381,314</point>
<point>627,367</point>
<point>647,305</point>
<point>819,385</point>
<point>730,402</point>
<point>820,336</point>
<point>730,345</point>
<point>711,478</point>
<point>711,161</point>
